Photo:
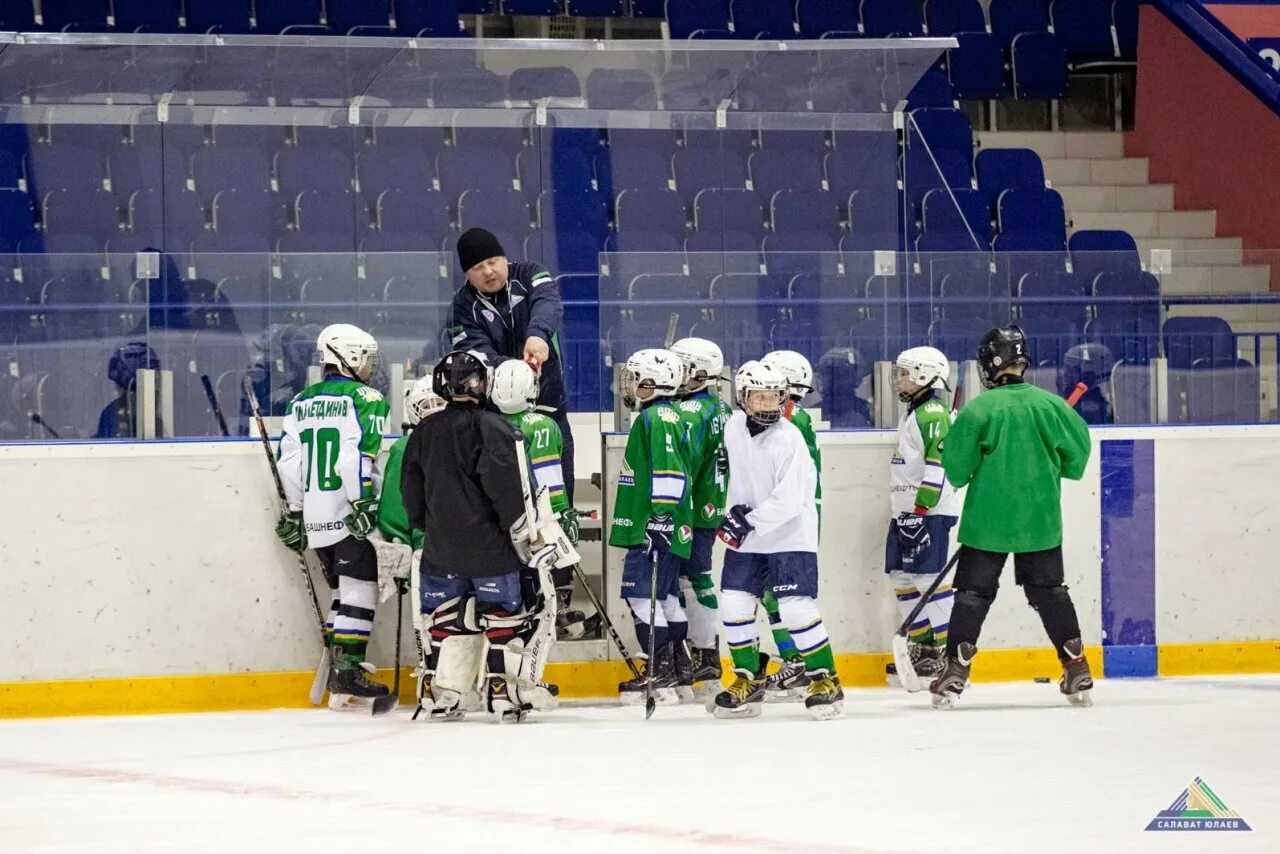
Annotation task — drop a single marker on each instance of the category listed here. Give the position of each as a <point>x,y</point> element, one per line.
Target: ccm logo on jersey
<point>785,588</point>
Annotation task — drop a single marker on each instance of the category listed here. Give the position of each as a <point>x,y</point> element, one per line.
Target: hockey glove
<point>735,527</point>
<point>913,536</point>
<point>569,524</point>
<point>658,531</point>
<point>292,531</point>
<point>363,517</point>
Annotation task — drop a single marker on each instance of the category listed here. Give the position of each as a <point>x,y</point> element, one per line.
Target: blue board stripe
<point>1128,557</point>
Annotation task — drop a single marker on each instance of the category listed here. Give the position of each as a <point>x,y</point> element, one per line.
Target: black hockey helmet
<point>999,349</point>
<point>125,363</point>
<point>463,373</point>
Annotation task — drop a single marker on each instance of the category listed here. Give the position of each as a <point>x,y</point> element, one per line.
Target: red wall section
<point>1207,134</point>
<point>1248,21</point>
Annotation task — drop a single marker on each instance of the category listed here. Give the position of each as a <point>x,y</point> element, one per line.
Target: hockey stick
<point>606,622</point>
<point>321,680</point>
<point>1076,394</point>
<point>649,703</point>
<point>901,652</point>
<point>673,322</point>
<point>382,705</point>
<point>214,406</point>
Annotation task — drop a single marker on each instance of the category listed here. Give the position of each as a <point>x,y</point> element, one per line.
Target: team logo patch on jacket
<point>488,315</point>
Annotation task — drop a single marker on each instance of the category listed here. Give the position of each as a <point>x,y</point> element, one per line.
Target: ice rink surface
<point>1013,768</point>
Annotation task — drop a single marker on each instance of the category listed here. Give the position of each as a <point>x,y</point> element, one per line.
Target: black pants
<point>1039,574</point>
<point>561,417</point>
<point>352,557</point>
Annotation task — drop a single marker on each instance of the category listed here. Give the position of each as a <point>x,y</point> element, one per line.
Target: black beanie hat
<point>476,245</point>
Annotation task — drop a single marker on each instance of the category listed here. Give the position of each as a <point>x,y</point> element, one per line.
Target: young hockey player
<point>515,393</point>
<point>328,464</point>
<point>653,515</point>
<point>462,486</point>
<point>924,507</point>
<point>1012,446</point>
<point>789,680</point>
<point>401,543</point>
<point>705,416</point>
<point>771,530</point>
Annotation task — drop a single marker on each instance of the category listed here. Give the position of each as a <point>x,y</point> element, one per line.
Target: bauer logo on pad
<point>1198,808</point>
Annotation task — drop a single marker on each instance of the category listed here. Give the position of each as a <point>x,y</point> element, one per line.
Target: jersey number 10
<point>322,457</point>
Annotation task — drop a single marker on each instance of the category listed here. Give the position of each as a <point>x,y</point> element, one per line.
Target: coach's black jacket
<point>498,325</point>
<point>460,483</point>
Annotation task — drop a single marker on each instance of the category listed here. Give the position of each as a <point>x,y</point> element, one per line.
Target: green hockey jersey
<point>804,423</point>
<point>915,472</point>
<point>328,453</point>
<point>655,479</point>
<point>705,415</point>
<point>543,444</point>
<point>393,521</point>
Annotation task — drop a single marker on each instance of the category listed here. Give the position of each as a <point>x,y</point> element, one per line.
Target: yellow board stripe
<point>577,680</point>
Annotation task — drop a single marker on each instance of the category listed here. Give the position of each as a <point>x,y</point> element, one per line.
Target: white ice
<point>1013,768</point>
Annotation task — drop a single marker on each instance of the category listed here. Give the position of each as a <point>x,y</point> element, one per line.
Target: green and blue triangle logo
<point>1198,808</point>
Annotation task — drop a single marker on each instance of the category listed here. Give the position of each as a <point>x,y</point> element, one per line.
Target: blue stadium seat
<point>772,170</point>
<point>404,159</point>
<point>76,15</point>
<point>873,222</point>
<point>17,16</point>
<point>1000,169</point>
<point>477,7</point>
<point>654,211</point>
<point>1221,391</point>
<point>219,16</point>
<point>787,254</point>
<point>1188,340</point>
<point>729,210</point>
<point>421,214</point>
<point>805,211</point>
<point>1084,28</point>
<point>504,212</point>
<point>700,168</point>
<point>331,211</point>
<point>11,174</point>
<point>949,17</point>
<point>1130,295</point>
<point>976,67</point>
<point>1032,210</point>
<point>1051,310</point>
<point>648,8</point>
<point>638,169</point>
<point>958,211</point>
<point>435,18</point>
<point>72,167</point>
<point>817,18</point>
<point>854,167</point>
<point>279,16</point>
<point>933,89</point>
<point>885,18</point>
<point>1028,251</point>
<point>475,167</point>
<point>148,16</point>
<point>1124,17</point>
<point>245,212</point>
<point>644,241</point>
<point>703,20</point>
<point>621,89</point>
<point>531,7</point>
<point>942,129</point>
<point>468,87</point>
<point>296,168</point>
<point>358,17</point>
<point>1039,67</point>
<point>597,8</point>
<point>552,81</point>
<point>1012,17</point>
<point>763,19</point>
<point>1096,252</point>
<point>219,167</point>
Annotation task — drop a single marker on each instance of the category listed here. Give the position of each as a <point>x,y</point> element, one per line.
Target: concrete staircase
<point>1102,188</point>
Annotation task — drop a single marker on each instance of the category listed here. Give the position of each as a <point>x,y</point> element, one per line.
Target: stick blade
<point>320,683</point>
<point>650,704</point>
<point>385,705</point>
<point>906,670</point>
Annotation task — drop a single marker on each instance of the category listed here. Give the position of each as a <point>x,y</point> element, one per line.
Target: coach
<point>512,311</point>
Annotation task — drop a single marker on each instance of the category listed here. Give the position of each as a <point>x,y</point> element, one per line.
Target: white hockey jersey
<point>915,472</point>
<point>773,474</point>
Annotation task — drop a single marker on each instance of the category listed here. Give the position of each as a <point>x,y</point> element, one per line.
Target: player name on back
<point>328,407</point>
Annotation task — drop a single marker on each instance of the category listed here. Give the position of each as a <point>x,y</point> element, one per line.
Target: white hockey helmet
<point>924,367</point>
<point>421,400</point>
<point>350,349</point>
<point>703,363</point>
<point>515,387</point>
<point>761,392</point>
<point>794,367</point>
<point>660,372</point>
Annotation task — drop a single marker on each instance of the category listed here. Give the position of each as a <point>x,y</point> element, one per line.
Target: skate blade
<point>783,695</point>
<point>513,716</point>
<point>1082,698</point>
<point>631,698</point>
<point>349,703</point>
<point>946,700</point>
<point>445,715</point>
<point>703,690</point>
<point>666,696</point>
<point>826,712</point>
<point>685,694</point>
<point>750,710</point>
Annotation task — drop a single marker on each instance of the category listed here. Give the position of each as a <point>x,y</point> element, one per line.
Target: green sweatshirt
<point>1012,446</point>
<point>393,522</point>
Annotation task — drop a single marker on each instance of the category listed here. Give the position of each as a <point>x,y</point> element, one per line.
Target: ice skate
<point>682,661</point>
<point>824,698</point>
<point>504,701</point>
<point>631,692</point>
<point>570,625</point>
<point>929,661</point>
<point>745,697</point>
<point>788,683</point>
<point>706,671</point>
<point>954,678</point>
<point>349,684</point>
<point>1076,682</point>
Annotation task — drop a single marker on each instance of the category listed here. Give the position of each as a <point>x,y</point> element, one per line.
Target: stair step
<point>1218,280</point>
<point>1057,144</point>
<point>1193,252</point>
<point>1096,198</point>
<point>1129,171</point>
<point>1186,224</point>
